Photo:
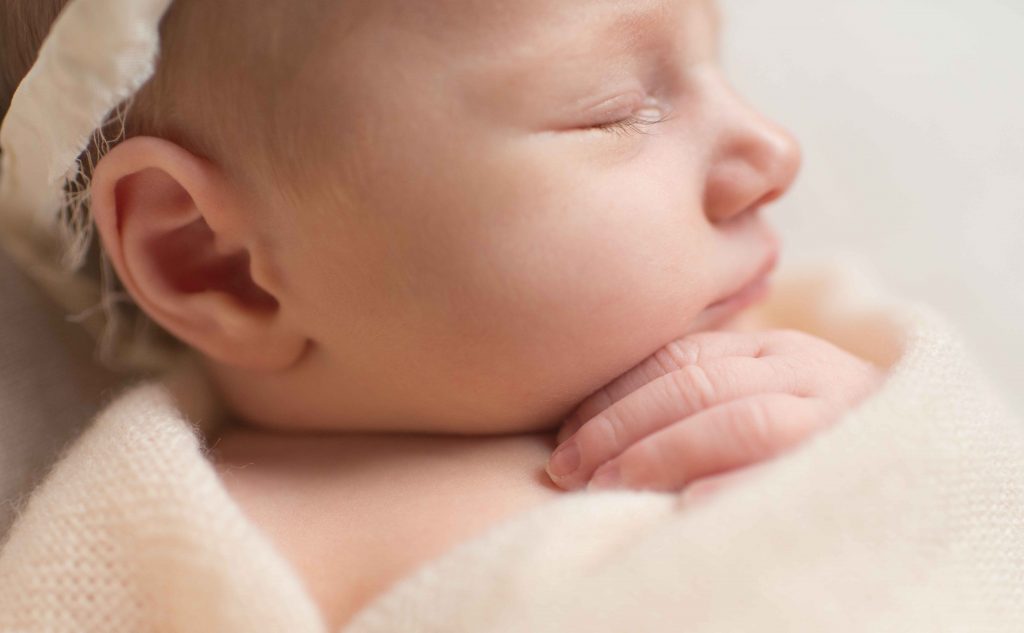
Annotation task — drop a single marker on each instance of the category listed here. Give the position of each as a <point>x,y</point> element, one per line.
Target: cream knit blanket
<point>908,515</point>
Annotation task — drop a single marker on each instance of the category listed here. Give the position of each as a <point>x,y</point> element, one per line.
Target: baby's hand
<point>708,404</point>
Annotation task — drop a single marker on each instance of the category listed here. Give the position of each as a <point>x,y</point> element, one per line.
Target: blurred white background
<point>911,117</point>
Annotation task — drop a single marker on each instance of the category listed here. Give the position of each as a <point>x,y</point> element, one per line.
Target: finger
<point>703,490</point>
<point>665,401</point>
<point>690,350</point>
<point>719,439</point>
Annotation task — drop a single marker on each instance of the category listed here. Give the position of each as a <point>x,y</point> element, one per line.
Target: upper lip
<point>768,264</point>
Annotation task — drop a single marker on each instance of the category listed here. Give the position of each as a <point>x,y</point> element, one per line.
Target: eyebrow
<point>618,36</point>
<point>632,28</point>
<point>649,27</point>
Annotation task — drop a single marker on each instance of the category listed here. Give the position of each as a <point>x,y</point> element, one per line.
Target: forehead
<point>449,53</point>
<point>521,26</point>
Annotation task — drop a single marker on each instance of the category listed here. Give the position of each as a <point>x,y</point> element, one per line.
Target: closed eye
<point>639,122</point>
<point>631,125</point>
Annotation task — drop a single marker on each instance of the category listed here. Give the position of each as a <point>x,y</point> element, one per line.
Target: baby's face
<point>515,203</point>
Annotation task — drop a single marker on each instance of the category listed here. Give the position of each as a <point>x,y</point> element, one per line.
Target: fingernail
<point>565,460</point>
<point>606,478</point>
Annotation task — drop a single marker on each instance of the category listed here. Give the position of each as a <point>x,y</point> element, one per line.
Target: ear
<point>174,227</point>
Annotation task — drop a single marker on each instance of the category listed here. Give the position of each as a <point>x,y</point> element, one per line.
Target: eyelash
<point>631,125</point>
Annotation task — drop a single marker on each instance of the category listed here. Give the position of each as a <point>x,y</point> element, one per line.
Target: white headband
<point>97,55</point>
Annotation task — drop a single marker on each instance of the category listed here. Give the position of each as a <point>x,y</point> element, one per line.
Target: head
<point>455,216</point>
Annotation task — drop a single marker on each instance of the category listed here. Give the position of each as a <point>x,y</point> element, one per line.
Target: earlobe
<point>173,229</point>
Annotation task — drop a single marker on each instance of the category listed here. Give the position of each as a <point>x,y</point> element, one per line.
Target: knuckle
<point>665,361</point>
<point>693,386</point>
<point>683,352</point>
<point>753,426</point>
<point>609,428</point>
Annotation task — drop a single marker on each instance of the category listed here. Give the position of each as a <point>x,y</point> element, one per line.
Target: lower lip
<point>722,311</point>
<point>749,295</point>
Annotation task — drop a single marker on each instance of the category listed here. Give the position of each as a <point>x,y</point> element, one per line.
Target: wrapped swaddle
<point>907,515</point>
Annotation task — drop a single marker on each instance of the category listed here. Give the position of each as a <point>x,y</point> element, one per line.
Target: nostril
<point>769,197</point>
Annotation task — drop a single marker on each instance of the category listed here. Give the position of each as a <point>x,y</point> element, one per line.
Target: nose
<point>754,160</point>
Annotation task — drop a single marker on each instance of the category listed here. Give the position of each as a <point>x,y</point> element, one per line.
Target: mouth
<point>753,290</point>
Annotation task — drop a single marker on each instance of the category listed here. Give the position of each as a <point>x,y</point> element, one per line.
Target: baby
<point>412,241</point>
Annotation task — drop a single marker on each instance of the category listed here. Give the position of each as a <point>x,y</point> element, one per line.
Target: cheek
<point>514,284</point>
<point>597,262</point>
<point>569,284</point>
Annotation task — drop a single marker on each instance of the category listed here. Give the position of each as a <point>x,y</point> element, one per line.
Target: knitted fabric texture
<point>907,515</point>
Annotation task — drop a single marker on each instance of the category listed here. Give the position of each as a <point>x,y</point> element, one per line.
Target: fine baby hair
<point>69,109</point>
<point>77,77</point>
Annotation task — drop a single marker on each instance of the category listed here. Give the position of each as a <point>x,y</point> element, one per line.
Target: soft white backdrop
<point>911,117</point>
